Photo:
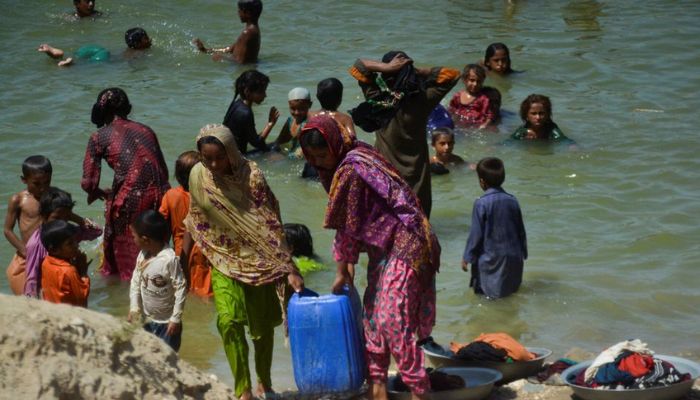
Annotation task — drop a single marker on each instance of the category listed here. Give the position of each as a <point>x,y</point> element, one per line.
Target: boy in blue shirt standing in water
<point>497,245</point>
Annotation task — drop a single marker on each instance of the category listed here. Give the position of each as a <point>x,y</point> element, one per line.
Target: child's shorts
<point>160,331</point>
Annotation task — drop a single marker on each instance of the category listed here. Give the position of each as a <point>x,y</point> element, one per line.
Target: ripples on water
<point>612,228</point>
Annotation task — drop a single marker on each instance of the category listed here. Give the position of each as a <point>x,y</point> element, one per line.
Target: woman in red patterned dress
<point>131,149</point>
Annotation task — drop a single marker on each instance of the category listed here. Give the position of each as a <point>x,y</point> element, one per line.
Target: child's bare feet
<point>50,51</point>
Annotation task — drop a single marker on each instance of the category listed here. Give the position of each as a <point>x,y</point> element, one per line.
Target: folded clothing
<point>498,341</point>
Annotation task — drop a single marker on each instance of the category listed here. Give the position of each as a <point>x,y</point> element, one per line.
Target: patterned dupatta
<point>236,222</point>
<point>370,201</point>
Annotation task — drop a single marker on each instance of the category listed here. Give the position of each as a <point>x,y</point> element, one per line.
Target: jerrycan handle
<point>306,292</point>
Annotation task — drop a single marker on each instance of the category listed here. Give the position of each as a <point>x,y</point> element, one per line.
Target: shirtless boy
<point>23,209</point>
<point>247,46</point>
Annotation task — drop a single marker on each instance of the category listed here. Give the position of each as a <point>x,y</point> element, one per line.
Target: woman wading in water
<point>373,210</point>
<point>234,218</point>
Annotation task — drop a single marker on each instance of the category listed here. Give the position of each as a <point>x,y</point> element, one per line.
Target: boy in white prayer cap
<point>299,104</point>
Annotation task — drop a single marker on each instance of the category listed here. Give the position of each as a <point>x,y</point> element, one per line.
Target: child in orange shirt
<point>174,207</point>
<point>64,276</point>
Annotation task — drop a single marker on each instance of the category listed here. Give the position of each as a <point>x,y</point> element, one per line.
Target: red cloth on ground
<point>636,364</point>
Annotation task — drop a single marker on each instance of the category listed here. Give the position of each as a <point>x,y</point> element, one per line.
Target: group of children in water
<point>49,264</point>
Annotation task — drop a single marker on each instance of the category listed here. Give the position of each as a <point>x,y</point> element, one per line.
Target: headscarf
<point>235,220</point>
<point>339,143</point>
<point>380,108</point>
<point>370,201</point>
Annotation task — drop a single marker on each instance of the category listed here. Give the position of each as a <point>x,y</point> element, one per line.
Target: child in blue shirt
<point>497,245</point>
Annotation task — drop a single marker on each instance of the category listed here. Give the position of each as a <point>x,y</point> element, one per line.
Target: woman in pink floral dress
<point>373,210</point>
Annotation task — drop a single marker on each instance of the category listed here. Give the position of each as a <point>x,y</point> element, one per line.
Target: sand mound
<point>62,352</point>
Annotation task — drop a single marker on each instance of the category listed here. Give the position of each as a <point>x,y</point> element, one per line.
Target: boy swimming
<point>136,40</point>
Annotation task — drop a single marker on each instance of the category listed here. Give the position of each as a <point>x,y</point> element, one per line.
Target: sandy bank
<point>50,351</point>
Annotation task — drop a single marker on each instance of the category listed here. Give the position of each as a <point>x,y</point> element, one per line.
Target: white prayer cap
<point>299,93</point>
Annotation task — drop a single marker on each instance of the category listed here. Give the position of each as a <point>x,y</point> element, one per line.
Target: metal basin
<point>671,392</point>
<point>511,371</point>
<point>479,383</point>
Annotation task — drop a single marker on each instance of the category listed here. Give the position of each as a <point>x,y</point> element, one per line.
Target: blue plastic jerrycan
<point>326,341</point>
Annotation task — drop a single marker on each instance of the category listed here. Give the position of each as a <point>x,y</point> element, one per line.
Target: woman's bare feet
<point>263,392</point>
<point>377,391</point>
<point>247,395</point>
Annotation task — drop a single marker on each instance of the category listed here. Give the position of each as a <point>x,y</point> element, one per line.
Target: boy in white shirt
<point>158,286</point>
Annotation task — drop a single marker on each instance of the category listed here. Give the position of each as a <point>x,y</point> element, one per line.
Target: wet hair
<point>329,93</point>
<point>254,7</point>
<point>492,171</point>
<point>478,70</point>
<point>437,132</point>
<point>78,1</point>
<point>53,199</point>
<point>251,80</point>
<point>494,97</point>
<point>183,166</point>
<point>152,225</point>
<point>492,49</point>
<point>56,232</point>
<point>209,140</point>
<point>110,102</point>
<point>532,99</point>
<point>36,165</point>
<point>495,101</point>
<point>313,138</point>
<point>299,239</point>
<point>134,36</point>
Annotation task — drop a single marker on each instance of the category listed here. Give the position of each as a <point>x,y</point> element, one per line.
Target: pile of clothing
<point>628,365</point>
<point>498,347</point>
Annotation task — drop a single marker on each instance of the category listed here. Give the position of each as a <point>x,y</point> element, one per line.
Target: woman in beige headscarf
<point>234,218</point>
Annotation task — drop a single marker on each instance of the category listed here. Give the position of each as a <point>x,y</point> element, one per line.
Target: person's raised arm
<point>271,121</point>
<point>13,210</point>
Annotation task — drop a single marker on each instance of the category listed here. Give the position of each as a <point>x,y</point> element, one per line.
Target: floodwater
<point>613,227</point>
